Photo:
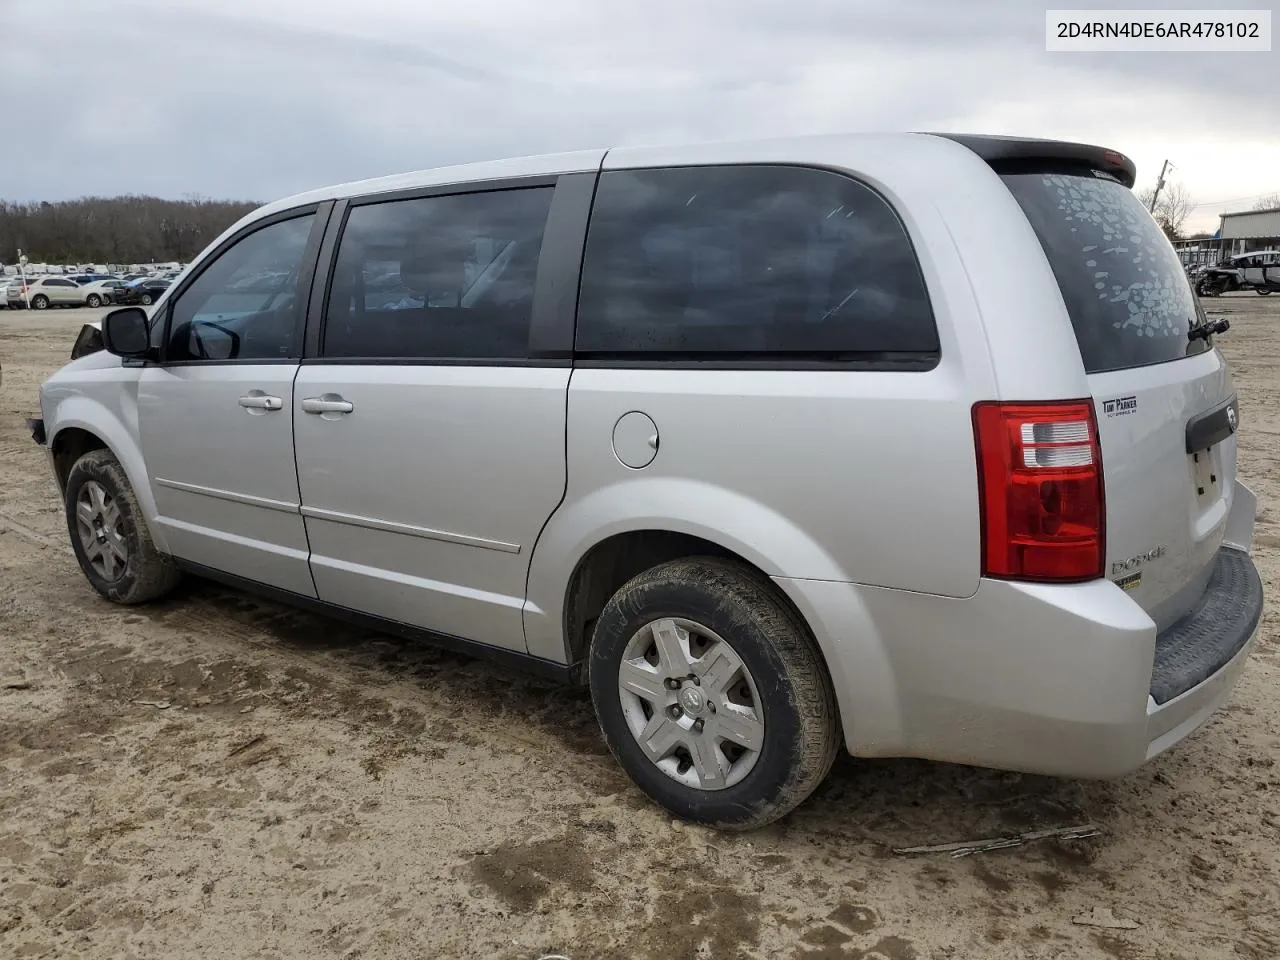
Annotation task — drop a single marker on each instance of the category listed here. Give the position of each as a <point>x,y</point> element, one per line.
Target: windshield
<point>1123,285</point>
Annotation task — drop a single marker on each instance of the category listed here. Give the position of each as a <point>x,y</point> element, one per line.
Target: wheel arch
<point>594,543</point>
<point>67,446</point>
<point>848,643</point>
<point>612,561</point>
<point>667,510</point>
<point>80,425</point>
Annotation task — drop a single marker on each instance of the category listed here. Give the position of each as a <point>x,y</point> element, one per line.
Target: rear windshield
<point>1128,295</point>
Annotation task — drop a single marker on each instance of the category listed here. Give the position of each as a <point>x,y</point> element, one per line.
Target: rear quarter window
<point>1121,280</point>
<point>754,263</point>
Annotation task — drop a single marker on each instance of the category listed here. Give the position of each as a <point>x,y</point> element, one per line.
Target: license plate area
<point>1206,477</point>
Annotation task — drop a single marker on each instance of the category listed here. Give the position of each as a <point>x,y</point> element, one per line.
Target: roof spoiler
<point>997,150</point>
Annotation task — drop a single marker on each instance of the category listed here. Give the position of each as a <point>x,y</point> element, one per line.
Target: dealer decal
<point>1120,407</point>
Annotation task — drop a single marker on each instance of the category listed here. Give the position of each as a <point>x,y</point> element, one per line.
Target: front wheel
<point>711,693</point>
<point>93,300</point>
<point>146,299</point>
<point>1263,291</point>
<point>109,533</point>
<point>40,302</point>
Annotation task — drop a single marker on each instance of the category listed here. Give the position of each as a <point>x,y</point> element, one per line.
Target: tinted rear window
<point>749,262</point>
<point>1128,296</point>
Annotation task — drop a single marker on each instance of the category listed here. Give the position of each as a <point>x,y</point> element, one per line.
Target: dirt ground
<point>220,777</point>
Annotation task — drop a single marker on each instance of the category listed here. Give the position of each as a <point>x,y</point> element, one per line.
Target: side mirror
<point>125,334</point>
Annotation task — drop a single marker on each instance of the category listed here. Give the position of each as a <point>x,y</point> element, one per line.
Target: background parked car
<point>11,293</point>
<point>46,292</point>
<point>145,292</point>
<point>1260,271</point>
<point>101,291</point>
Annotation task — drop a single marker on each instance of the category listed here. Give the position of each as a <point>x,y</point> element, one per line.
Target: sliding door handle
<point>329,403</point>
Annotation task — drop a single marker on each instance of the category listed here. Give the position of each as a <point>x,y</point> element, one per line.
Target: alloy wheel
<point>100,526</point>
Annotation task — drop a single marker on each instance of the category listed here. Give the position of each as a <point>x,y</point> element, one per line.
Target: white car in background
<point>46,292</point>
<point>12,292</point>
<point>1260,270</point>
<point>100,292</point>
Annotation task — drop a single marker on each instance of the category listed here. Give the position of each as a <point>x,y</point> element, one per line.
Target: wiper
<point>1207,329</point>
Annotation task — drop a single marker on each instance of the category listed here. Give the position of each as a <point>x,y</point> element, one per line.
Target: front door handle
<point>260,401</point>
<point>329,403</point>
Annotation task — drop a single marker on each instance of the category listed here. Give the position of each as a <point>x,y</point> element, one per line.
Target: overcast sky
<point>257,99</point>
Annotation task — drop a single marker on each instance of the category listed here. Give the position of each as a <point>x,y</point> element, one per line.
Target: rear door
<point>1262,271</point>
<point>1251,269</point>
<point>430,425</point>
<point>1165,404</point>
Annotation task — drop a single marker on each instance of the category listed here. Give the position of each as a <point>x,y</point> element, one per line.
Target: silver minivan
<point>915,445</point>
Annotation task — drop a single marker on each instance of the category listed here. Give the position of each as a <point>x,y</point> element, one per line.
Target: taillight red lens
<point>1040,487</point>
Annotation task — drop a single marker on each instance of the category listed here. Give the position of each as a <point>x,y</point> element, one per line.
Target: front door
<point>64,293</point>
<point>216,416</point>
<point>430,448</point>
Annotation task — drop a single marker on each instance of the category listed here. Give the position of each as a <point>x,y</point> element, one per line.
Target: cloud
<point>261,98</point>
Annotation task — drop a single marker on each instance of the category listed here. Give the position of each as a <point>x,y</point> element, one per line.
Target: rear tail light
<point>1040,490</point>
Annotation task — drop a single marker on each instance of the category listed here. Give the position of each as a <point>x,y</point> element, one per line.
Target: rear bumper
<point>1198,659</point>
<point>1197,647</point>
<point>1060,680</point>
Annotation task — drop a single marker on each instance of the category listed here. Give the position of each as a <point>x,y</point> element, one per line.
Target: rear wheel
<point>40,302</point>
<point>93,300</point>
<point>109,534</point>
<point>146,299</point>
<point>1263,291</point>
<point>711,693</point>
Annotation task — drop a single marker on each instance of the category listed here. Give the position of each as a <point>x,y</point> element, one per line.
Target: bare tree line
<point>142,229</point>
<point>1175,203</point>
<point>128,229</point>
<point>1173,207</point>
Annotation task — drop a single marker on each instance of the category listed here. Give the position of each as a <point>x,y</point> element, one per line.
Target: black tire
<point>40,302</point>
<point>801,722</point>
<point>146,299</point>
<point>93,300</point>
<point>1263,291</point>
<point>147,574</point>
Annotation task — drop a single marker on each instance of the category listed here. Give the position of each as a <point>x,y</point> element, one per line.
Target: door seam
<point>297,473</point>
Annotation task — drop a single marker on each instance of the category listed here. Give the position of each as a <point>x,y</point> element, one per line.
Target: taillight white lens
<point>1056,444</point>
